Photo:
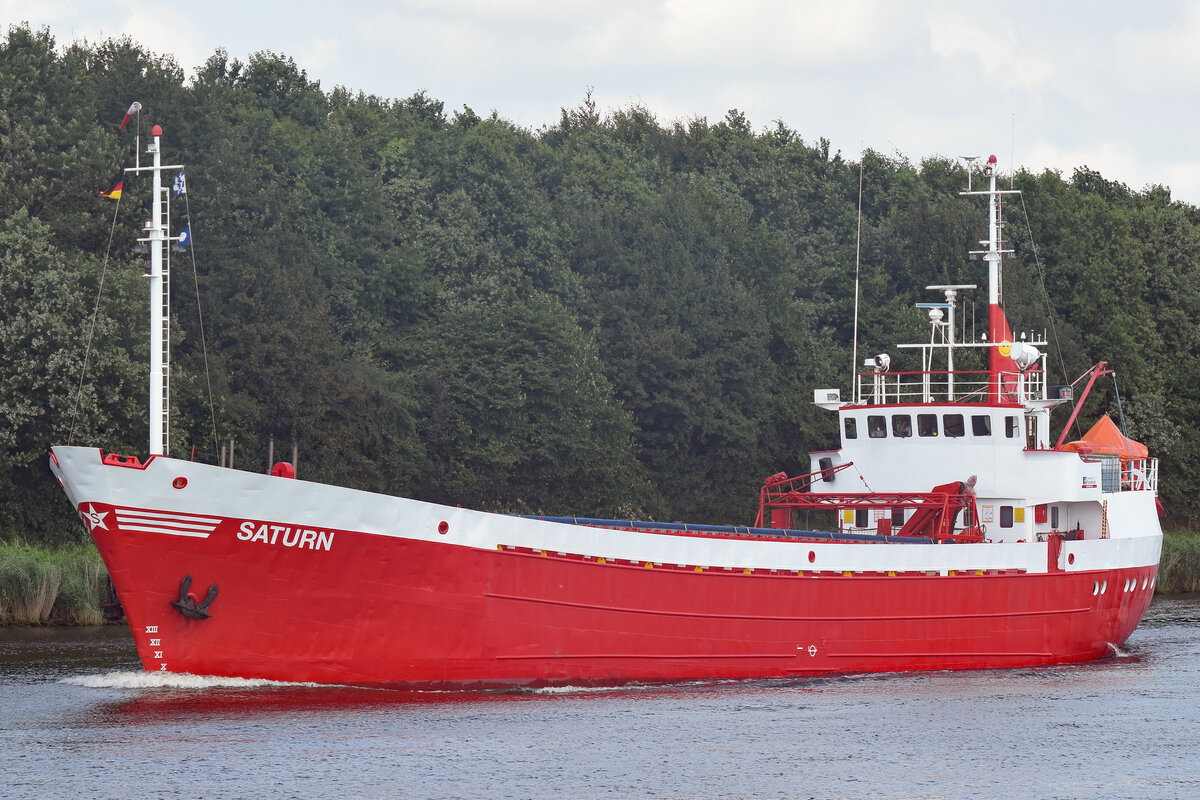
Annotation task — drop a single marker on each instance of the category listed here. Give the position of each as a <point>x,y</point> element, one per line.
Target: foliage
<point>612,315</point>
<point>46,318</point>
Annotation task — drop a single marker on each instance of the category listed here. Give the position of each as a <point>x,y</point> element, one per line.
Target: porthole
<point>1070,558</point>
<point>1095,588</point>
<point>1145,580</point>
<point>1103,587</point>
<point>811,556</point>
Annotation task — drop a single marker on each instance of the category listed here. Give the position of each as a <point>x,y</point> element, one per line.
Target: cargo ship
<point>955,535</point>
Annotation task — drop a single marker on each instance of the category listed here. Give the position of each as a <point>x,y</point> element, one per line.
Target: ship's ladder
<point>164,200</point>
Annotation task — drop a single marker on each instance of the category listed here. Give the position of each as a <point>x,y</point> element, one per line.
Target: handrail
<point>958,386</point>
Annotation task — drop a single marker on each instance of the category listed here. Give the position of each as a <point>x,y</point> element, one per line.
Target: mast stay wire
<point>96,313</point>
<point>1041,271</point>
<point>87,349</point>
<point>200,316</point>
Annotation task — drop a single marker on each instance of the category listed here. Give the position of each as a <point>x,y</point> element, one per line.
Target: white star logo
<point>93,518</point>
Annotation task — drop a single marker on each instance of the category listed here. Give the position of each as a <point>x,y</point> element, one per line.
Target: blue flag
<point>180,186</point>
<point>185,239</point>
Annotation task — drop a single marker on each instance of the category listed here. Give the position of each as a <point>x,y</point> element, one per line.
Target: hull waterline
<point>302,600</point>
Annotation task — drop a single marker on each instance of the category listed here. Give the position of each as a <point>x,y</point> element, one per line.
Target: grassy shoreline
<point>1179,567</point>
<point>66,585</point>
<point>55,586</point>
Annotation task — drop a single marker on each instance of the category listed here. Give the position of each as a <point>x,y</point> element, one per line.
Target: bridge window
<point>877,426</point>
<point>927,424</point>
<point>952,425</point>
<point>1006,516</point>
<point>981,425</point>
<point>1012,427</point>
<point>901,425</point>
<point>851,428</point>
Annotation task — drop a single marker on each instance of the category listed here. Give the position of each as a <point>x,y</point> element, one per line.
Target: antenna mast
<point>857,261</point>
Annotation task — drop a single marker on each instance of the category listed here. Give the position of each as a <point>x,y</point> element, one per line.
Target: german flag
<point>117,187</point>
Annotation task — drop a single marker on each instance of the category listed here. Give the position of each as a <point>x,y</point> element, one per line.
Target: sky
<point>1042,84</point>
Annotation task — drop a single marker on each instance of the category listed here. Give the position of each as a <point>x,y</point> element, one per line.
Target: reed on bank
<point>39,585</point>
<point>1179,568</point>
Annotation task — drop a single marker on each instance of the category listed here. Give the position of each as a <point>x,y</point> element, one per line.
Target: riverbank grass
<point>62,586</point>
<point>1179,569</point>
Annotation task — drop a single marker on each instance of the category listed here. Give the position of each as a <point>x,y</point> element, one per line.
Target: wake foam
<point>171,680</point>
<point>1118,652</point>
<point>556,690</point>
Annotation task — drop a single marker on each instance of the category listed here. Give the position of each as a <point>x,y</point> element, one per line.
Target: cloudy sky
<point>1041,83</point>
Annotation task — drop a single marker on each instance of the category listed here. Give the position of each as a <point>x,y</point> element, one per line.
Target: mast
<point>1000,335</point>
<point>159,377</point>
<point>158,239</point>
<point>992,256</point>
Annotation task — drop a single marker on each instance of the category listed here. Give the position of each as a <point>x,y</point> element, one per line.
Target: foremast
<point>157,238</point>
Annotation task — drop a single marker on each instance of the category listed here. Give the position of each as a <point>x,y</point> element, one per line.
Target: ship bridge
<point>909,430</point>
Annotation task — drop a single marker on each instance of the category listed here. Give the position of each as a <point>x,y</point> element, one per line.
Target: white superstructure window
<point>927,425</point>
<point>953,426</point>
<point>981,425</point>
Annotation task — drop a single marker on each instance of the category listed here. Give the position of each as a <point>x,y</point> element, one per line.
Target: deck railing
<point>1126,474</point>
<point>1139,474</point>
<point>960,386</point>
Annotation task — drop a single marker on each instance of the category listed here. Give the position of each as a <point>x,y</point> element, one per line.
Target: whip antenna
<point>857,263</point>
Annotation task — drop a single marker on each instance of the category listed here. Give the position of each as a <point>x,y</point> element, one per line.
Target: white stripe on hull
<point>213,493</point>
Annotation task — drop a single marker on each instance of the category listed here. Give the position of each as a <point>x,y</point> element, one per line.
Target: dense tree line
<point>611,316</point>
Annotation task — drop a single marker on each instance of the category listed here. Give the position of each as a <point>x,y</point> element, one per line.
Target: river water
<point>79,719</point>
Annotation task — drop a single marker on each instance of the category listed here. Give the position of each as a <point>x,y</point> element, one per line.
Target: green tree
<point>46,309</point>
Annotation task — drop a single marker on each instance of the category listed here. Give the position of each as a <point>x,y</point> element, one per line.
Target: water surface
<point>80,719</point>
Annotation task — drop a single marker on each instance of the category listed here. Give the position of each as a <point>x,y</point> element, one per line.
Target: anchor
<point>187,605</point>
<point>111,607</point>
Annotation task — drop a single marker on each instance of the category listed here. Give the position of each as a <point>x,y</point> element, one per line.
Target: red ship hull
<point>400,611</point>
